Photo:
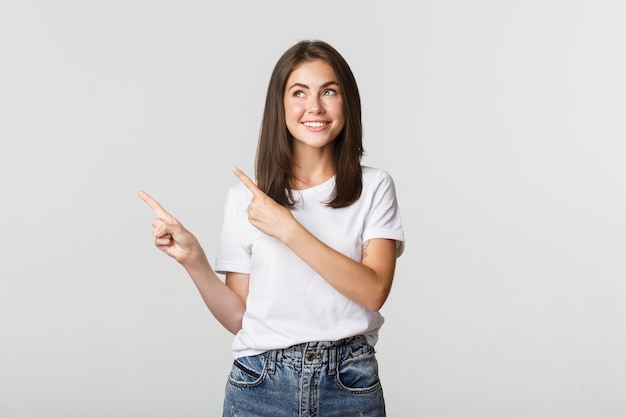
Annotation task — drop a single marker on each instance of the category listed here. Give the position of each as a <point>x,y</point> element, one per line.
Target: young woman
<point>308,252</point>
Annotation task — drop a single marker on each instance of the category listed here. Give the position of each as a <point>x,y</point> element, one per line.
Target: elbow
<point>375,305</point>
<point>233,327</point>
<point>377,298</point>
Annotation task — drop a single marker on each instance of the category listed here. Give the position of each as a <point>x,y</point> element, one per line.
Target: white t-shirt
<point>288,302</point>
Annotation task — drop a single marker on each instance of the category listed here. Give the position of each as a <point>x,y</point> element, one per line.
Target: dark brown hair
<point>274,157</point>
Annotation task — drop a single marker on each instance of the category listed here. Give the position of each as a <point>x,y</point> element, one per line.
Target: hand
<point>264,213</point>
<point>170,235</point>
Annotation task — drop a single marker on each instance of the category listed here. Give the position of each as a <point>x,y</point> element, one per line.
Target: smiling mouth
<point>315,124</point>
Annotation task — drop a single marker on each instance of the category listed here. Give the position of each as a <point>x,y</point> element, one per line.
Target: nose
<point>315,105</point>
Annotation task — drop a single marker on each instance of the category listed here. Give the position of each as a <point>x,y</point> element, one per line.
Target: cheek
<point>298,107</point>
<point>339,115</point>
<point>293,111</point>
<point>292,121</point>
<point>337,109</point>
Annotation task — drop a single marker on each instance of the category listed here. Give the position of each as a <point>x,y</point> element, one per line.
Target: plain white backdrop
<point>502,122</point>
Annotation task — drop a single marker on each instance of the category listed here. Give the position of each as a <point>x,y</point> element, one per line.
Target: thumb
<point>163,228</point>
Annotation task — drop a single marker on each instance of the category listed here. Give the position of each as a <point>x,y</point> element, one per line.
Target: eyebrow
<point>326,84</point>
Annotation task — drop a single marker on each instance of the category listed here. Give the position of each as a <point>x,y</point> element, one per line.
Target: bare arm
<point>239,284</point>
<point>176,241</point>
<point>367,282</point>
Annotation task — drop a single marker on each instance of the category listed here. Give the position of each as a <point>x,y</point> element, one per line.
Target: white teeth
<point>314,124</point>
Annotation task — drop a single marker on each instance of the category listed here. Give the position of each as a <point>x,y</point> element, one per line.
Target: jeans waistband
<point>319,353</point>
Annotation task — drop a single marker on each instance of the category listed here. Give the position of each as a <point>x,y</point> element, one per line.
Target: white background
<point>502,122</point>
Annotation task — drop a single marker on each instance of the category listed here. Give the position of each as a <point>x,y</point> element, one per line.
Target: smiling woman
<point>313,109</point>
<point>308,252</point>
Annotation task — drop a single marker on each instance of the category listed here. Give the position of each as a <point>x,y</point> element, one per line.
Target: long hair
<point>274,157</point>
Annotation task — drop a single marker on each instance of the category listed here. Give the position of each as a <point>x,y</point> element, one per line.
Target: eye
<point>298,93</point>
<point>330,92</point>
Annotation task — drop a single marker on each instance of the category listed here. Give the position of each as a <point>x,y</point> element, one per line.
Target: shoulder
<point>238,194</point>
<point>374,177</point>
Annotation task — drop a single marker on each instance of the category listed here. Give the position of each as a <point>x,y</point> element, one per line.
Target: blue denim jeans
<point>315,379</point>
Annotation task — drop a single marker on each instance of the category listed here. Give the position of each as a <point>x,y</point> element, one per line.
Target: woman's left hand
<point>266,214</point>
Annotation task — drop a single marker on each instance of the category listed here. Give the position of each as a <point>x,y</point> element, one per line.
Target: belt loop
<point>332,360</point>
<point>271,358</point>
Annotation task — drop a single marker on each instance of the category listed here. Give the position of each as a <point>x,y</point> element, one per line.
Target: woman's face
<point>313,104</point>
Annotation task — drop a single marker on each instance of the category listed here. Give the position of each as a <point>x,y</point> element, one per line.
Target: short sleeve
<point>383,220</point>
<point>232,255</point>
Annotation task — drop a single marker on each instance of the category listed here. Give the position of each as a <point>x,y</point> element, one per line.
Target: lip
<point>318,125</point>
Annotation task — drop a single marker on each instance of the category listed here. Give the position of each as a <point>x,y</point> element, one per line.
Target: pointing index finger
<point>158,209</point>
<point>247,181</point>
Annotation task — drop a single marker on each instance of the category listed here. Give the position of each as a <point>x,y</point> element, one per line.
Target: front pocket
<point>359,374</point>
<point>248,371</point>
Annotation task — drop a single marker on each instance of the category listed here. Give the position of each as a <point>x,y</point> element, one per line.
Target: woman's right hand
<point>170,236</point>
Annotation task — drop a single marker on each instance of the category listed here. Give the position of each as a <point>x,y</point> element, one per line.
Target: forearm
<point>223,303</point>
<point>353,279</point>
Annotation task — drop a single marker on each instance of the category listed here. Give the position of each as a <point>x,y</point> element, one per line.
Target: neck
<point>307,174</point>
